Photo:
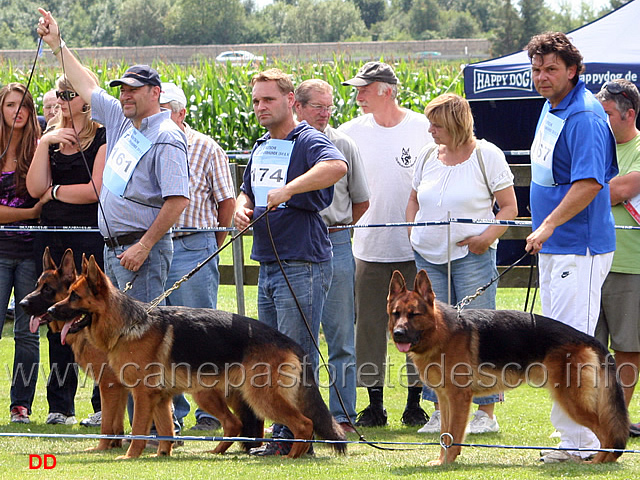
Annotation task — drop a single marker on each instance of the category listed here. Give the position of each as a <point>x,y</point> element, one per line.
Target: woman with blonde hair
<point>459,176</point>
<point>66,174</point>
<point>19,132</point>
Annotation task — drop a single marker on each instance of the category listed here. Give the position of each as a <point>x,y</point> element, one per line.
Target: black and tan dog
<point>221,359</point>
<point>480,352</point>
<point>52,287</point>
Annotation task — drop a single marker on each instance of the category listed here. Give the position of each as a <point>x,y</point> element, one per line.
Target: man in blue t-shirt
<point>291,173</point>
<point>573,157</point>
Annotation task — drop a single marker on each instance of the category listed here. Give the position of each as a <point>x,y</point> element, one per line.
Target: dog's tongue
<point>63,333</point>
<point>403,347</point>
<point>34,323</point>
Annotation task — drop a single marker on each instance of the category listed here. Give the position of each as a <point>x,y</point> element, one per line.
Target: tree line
<point>86,23</point>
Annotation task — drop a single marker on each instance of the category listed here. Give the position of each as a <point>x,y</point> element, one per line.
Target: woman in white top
<point>459,177</point>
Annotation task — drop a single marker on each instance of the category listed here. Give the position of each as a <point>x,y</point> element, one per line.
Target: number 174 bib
<point>269,167</point>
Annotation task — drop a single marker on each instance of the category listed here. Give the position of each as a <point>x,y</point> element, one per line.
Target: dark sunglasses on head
<point>67,95</point>
<point>614,88</point>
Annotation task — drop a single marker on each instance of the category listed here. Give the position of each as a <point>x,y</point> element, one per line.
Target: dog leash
<point>156,301</point>
<point>469,298</point>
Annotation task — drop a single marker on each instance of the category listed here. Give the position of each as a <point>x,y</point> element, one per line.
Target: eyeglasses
<point>67,95</point>
<point>614,88</point>
<point>322,108</point>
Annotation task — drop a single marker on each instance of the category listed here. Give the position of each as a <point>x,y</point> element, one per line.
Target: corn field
<point>219,96</point>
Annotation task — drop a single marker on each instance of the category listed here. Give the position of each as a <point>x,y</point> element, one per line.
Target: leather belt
<point>123,240</point>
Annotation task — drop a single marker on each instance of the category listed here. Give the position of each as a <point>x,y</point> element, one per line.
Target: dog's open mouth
<point>74,326</point>
<point>36,320</point>
<point>404,339</point>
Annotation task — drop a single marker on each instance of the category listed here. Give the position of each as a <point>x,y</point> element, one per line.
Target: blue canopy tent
<point>506,105</point>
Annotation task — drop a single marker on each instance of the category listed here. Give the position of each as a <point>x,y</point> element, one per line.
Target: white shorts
<point>570,287</point>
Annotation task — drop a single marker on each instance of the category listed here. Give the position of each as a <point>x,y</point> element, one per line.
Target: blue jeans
<point>200,291</point>
<point>149,280</point>
<point>338,319</point>
<point>277,307</point>
<point>467,275</point>
<point>21,276</point>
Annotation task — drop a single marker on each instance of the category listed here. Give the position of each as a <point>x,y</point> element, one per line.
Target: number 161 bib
<point>123,159</point>
<point>269,167</point>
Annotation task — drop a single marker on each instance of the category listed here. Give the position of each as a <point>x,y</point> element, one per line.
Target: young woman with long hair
<point>66,174</point>
<point>19,133</point>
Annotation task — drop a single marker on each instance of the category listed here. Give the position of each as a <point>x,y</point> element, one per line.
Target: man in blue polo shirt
<point>291,173</point>
<point>573,157</point>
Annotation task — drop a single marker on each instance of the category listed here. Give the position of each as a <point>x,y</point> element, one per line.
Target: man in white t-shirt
<point>389,138</point>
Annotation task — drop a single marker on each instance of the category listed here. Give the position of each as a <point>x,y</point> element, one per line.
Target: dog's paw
<point>435,463</point>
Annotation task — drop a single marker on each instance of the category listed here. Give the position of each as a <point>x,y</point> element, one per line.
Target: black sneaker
<point>634,430</point>
<point>272,448</point>
<point>372,417</point>
<point>414,416</point>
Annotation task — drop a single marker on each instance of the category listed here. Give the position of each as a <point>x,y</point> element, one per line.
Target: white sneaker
<point>433,425</point>
<point>93,420</point>
<point>482,423</point>
<point>56,418</point>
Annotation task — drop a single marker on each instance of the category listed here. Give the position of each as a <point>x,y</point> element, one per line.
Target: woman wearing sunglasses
<point>19,132</point>
<point>66,174</point>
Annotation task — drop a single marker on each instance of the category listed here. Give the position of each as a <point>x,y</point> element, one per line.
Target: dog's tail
<point>613,410</point>
<point>324,425</point>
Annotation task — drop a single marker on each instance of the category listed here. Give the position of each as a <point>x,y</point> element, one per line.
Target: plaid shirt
<point>209,181</point>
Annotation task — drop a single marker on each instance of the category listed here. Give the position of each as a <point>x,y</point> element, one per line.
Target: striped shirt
<point>210,181</point>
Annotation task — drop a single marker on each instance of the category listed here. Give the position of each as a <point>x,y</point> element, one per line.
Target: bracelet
<point>144,246</point>
<point>57,50</point>
<point>54,191</point>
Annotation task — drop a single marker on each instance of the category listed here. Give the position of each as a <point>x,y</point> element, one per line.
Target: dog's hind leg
<point>213,402</point>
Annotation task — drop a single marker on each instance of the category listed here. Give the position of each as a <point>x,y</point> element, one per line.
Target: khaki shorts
<point>619,322</point>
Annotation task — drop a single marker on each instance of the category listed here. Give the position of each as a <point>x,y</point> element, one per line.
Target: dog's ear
<point>397,285</point>
<point>85,264</point>
<point>422,286</point>
<point>47,261</point>
<point>93,273</point>
<point>68,266</point>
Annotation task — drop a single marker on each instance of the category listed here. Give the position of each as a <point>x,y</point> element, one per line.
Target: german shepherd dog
<point>222,359</point>
<point>480,352</point>
<point>53,286</point>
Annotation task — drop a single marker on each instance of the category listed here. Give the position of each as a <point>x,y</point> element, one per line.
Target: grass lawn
<point>524,420</point>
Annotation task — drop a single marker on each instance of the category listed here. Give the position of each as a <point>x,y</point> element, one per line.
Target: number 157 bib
<point>269,167</point>
<point>123,159</point>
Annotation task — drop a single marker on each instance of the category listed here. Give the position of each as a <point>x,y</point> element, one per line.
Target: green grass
<point>524,420</point>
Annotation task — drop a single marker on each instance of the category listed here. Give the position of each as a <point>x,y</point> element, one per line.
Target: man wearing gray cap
<point>212,203</point>
<point>145,180</point>
<point>389,138</point>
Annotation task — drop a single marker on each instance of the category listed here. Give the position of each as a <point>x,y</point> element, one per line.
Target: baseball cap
<point>137,76</point>
<point>171,92</point>
<point>373,72</point>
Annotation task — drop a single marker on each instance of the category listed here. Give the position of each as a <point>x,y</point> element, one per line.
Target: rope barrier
<point>509,223</point>
<point>446,441</point>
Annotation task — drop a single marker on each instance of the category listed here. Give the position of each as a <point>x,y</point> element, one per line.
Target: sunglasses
<point>614,88</point>
<point>67,95</point>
